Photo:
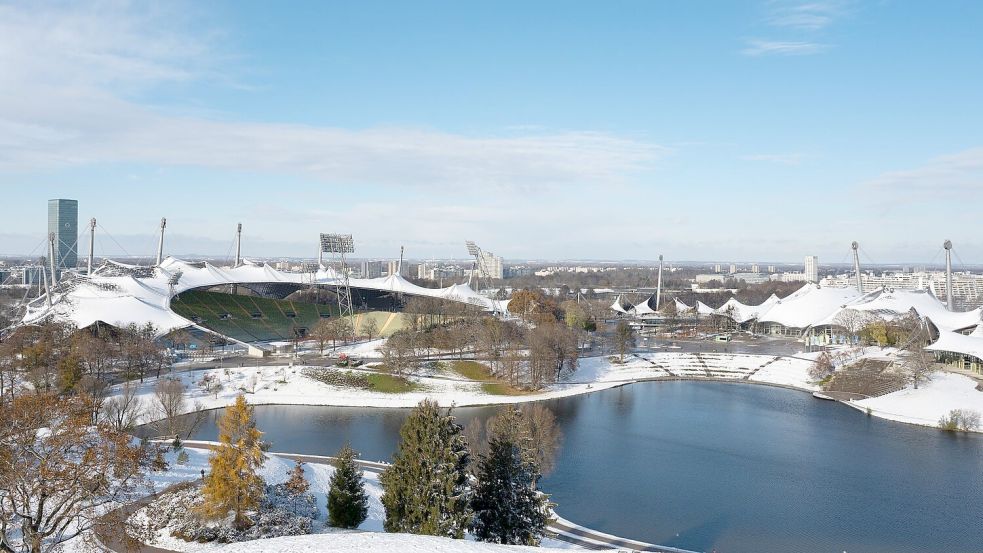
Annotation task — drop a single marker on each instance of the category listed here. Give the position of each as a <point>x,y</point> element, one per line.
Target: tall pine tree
<point>233,484</point>
<point>348,504</point>
<point>507,507</point>
<point>426,488</point>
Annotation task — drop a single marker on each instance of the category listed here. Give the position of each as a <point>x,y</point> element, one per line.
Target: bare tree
<point>322,333</point>
<point>171,403</point>
<point>398,353</point>
<point>624,338</point>
<point>822,368</point>
<point>123,411</point>
<point>917,363</point>
<point>55,484</point>
<point>370,328</point>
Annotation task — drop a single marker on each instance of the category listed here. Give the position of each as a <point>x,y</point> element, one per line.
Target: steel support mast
<point>948,275</point>
<point>51,259</point>
<point>340,245</point>
<point>658,288</point>
<point>92,243</point>
<point>160,243</point>
<point>856,266</point>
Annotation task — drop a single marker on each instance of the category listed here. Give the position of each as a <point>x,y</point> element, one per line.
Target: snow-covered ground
<point>289,386</point>
<point>932,400</point>
<point>368,542</point>
<point>370,536</point>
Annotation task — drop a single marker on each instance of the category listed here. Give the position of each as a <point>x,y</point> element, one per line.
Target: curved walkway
<point>562,529</point>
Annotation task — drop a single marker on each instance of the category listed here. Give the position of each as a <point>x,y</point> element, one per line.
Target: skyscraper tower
<point>812,268</point>
<point>63,221</point>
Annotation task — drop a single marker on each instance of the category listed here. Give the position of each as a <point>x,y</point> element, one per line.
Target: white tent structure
<point>120,294</point>
<point>703,309</point>
<point>741,313</point>
<point>644,308</point>
<point>681,307</point>
<point>805,308</point>
<point>617,306</point>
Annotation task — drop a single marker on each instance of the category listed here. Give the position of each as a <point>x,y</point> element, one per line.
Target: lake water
<point>731,467</point>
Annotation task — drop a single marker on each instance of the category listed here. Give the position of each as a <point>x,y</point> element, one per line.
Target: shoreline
<point>600,386</point>
<point>276,384</point>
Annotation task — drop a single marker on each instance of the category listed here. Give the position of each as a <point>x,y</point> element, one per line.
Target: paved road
<point>563,530</point>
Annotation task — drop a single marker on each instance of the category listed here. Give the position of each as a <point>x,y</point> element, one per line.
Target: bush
<point>344,379</point>
<point>823,368</point>
<point>960,420</point>
<point>280,514</point>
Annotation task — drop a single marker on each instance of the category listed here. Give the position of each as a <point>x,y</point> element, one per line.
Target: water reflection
<point>726,466</point>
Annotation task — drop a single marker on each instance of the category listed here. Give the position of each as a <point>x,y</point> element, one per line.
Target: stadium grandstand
<point>176,294</point>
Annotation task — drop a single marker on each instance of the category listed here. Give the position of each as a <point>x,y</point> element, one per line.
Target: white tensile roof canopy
<point>120,294</point>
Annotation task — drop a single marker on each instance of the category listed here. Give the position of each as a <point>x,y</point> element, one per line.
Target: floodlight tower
<point>339,245</point>
<point>478,255</point>
<point>160,243</point>
<point>856,265</point>
<point>92,243</point>
<point>948,275</point>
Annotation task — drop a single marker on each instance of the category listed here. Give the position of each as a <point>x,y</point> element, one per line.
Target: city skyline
<point>762,130</point>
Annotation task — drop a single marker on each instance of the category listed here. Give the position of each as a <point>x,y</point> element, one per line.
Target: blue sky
<point>760,130</point>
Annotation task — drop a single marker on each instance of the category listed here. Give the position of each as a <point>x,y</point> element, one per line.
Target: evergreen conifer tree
<point>426,487</point>
<point>507,507</point>
<point>348,504</point>
<point>233,484</point>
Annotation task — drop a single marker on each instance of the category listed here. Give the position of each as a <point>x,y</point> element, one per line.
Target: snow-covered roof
<point>121,294</point>
<point>891,304</point>
<point>960,343</point>
<point>743,313</point>
<point>703,309</point>
<point>644,307</point>
<point>809,306</point>
<point>680,306</point>
<point>616,306</point>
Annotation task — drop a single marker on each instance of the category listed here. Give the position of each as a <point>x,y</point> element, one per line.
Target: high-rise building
<point>491,264</point>
<point>755,268</point>
<point>63,221</point>
<point>733,268</point>
<point>392,267</point>
<point>812,268</point>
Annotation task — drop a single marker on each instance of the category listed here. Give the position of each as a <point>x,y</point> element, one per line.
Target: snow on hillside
<point>287,385</point>
<point>927,404</point>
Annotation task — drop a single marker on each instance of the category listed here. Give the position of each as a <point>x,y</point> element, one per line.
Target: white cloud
<point>809,16</point>
<point>73,78</point>
<point>759,47</point>
<point>958,173</point>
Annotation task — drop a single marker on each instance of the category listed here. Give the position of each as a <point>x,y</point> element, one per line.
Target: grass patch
<point>384,383</point>
<point>389,384</point>
<point>473,370</point>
